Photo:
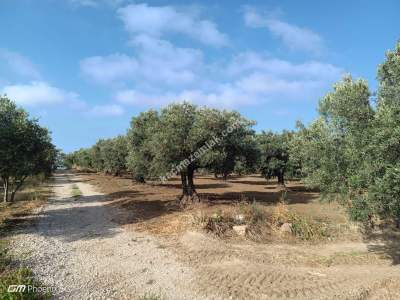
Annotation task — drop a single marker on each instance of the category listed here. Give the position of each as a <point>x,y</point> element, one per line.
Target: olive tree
<point>334,149</point>
<point>25,148</point>
<point>113,153</point>
<point>275,160</point>
<point>235,149</point>
<point>182,138</point>
<point>384,193</point>
<point>140,145</point>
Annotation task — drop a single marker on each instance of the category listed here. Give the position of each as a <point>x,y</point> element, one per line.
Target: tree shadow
<point>88,217</point>
<point>385,243</point>
<point>270,197</point>
<point>250,182</point>
<point>199,186</point>
<point>101,216</point>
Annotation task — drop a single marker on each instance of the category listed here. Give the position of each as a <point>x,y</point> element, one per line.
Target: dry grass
<point>264,224</point>
<point>34,195</point>
<point>152,208</point>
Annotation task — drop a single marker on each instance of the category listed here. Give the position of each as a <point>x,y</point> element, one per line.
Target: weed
<point>218,223</point>
<point>151,296</point>
<point>76,192</point>
<point>302,227</point>
<point>9,275</point>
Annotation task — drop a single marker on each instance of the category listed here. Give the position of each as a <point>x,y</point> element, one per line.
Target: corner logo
<point>14,288</point>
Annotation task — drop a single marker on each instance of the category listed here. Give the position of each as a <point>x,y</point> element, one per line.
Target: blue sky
<point>85,67</point>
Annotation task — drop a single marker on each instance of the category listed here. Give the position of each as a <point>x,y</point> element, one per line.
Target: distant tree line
<point>351,152</point>
<point>26,149</point>
<point>178,137</point>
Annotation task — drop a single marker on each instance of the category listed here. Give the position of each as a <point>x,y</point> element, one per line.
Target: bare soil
<point>120,239</point>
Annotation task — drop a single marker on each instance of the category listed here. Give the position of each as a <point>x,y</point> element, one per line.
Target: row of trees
<point>351,152</point>
<point>25,148</point>
<point>183,138</point>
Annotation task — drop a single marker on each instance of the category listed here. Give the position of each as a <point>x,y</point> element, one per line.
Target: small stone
<point>239,218</point>
<point>151,281</point>
<point>286,227</point>
<point>240,229</point>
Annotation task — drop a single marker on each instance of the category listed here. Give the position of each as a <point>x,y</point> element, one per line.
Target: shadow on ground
<point>385,242</point>
<point>125,202</point>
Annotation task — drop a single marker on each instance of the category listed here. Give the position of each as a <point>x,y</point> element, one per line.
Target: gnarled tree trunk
<point>189,194</point>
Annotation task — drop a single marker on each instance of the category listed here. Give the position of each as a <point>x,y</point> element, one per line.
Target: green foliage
<point>184,137</point>
<point>108,156</point>
<point>351,152</point>
<point>178,140</point>
<point>275,158</point>
<point>25,148</point>
<point>113,154</point>
<point>333,149</point>
<point>235,149</point>
<point>140,145</point>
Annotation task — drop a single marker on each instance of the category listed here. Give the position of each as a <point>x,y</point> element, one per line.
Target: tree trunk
<point>189,194</point>
<point>5,184</point>
<point>12,196</point>
<point>225,176</point>
<point>191,187</point>
<point>184,183</point>
<point>281,179</point>
<point>17,187</point>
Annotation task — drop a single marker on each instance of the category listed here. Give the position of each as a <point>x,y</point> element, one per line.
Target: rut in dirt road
<point>76,248</point>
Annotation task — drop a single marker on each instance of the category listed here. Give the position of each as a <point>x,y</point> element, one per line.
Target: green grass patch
<point>10,274</point>
<point>151,296</point>
<point>76,192</point>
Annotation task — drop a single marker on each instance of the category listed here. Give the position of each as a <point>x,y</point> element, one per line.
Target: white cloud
<point>106,69</point>
<point>252,61</point>
<point>224,96</point>
<point>160,72</point>
<point>249,79</point>
<point>39,93</point>
<point>107,110</point>
<point>157,61</point>
<point>159,20</point>
<point>19,64</point>
<point>294,37</point>
<point>95,3</point>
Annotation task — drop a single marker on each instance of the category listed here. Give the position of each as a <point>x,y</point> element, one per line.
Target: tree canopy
<point>25,148</point>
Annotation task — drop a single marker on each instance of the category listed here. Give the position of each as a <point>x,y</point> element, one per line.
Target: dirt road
<point>77,247</point>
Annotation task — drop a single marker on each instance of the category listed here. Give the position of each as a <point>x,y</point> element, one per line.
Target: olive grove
<point>350,152</point>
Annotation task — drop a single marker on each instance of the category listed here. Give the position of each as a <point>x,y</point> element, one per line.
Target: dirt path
<point>77,248</point>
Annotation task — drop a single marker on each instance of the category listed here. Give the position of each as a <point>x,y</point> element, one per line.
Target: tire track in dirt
<point>226,271</point>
